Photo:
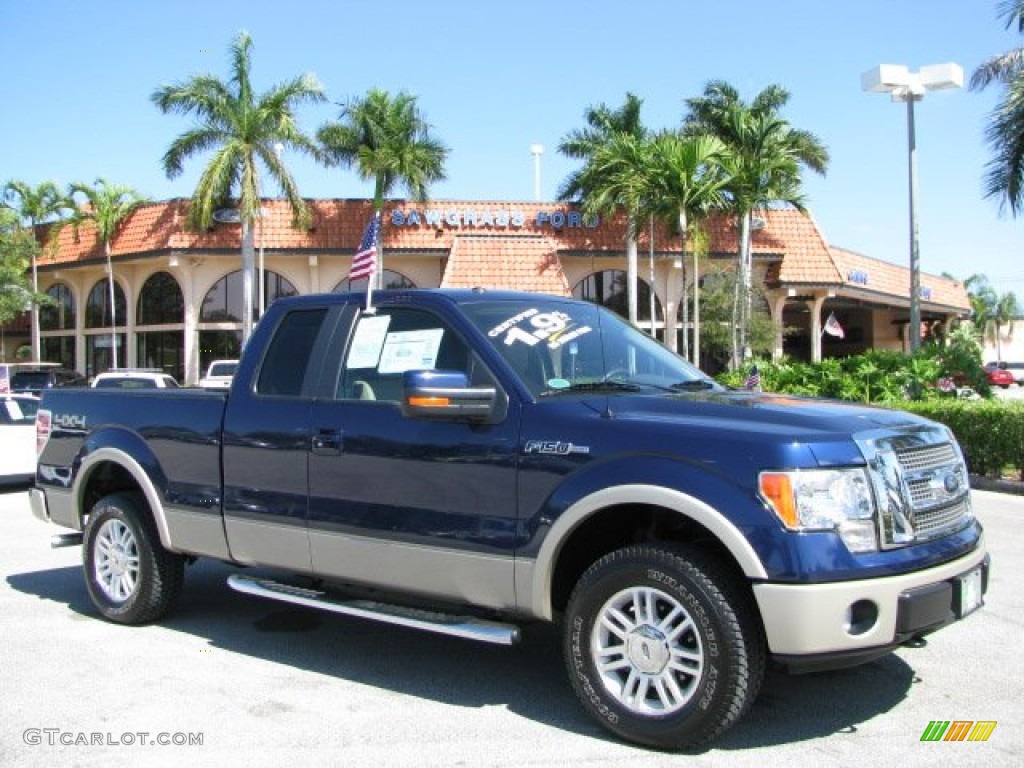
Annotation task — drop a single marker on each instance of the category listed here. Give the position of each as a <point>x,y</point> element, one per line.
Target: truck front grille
<point>921,485</point>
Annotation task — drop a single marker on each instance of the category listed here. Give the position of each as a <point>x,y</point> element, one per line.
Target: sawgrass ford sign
<point>491,218</point>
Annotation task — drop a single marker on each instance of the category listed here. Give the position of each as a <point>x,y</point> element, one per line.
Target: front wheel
<point>663,646</point>
<point>130,577</point>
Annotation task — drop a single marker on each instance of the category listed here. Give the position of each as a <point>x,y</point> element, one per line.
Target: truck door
<point>411,504</point>
<point>266,444</point>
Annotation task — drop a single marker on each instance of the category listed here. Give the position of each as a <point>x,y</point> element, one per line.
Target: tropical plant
<point>684,179</point>
<point>766,157</point>
<point>603,125</point>
<point>34,206</point>
<point>18,248</point>
<point>246,133</point>
<point>990,311</point>
<point>107,206</point>
<point>1004,178</point>
<point>387,140</point>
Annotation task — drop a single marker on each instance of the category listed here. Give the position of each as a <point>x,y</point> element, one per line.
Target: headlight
<point>837,500</point>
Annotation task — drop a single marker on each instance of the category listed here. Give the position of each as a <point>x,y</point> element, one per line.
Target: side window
<point>392,341</point>
<point>287,360</point>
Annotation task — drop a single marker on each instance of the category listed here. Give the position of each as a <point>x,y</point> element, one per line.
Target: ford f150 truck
<point>466,462</point>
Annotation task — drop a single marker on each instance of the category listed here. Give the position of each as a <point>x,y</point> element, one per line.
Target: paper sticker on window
<point>368,341</point>
<point>410,350</point>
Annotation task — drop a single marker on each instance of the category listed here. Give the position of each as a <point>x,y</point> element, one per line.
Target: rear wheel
<point>663,646</point>
<point>130,577</point>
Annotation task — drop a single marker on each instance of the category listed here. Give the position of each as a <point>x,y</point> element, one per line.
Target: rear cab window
<point>288,365</point>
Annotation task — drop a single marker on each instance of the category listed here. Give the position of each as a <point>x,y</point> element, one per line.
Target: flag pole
<point>372,277</point>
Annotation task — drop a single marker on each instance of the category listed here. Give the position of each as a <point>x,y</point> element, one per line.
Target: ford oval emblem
<point>951,483</point>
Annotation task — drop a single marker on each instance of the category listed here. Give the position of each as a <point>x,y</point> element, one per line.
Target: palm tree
<point>686,179</point>
<point>603,126</point>
<point>1005,131</point>
<point>388,140</point>
<point>243,130</point>
<point>108,207</point>
<point>766,157</point>
<point>34,206</point>
<point>1005,311</point>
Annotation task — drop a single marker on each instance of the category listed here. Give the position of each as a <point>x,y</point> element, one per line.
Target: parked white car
<point>219,374</point>
<point>129,378</point>
<point>17,440</point>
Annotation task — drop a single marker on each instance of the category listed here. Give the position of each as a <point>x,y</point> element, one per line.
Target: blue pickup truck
<point>466,462</point>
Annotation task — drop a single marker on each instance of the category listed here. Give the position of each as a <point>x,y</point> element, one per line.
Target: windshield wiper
<point>693,385</point>
<point>594,386</point>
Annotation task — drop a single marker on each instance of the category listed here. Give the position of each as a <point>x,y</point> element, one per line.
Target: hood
<point>790,415</point>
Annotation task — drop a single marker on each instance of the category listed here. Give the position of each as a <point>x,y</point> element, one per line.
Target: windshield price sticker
<point>554,327</point>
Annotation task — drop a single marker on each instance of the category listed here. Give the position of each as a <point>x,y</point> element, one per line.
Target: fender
<point>534,578</point>
<point>139,474</point>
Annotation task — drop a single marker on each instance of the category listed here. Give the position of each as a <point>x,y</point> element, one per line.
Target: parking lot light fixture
<point>903,85</point>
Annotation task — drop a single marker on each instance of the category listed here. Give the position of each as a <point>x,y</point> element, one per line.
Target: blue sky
<point>494,78</point>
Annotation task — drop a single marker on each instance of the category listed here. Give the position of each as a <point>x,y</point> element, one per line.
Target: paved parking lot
<point>259,683</point>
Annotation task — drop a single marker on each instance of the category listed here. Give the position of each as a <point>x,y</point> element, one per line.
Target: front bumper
<point>842,623</point>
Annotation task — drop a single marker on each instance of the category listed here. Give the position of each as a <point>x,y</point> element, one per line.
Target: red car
<point>998,377</point>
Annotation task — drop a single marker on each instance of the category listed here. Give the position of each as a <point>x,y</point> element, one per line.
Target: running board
<point>467,627</point>
<point>59,540</point>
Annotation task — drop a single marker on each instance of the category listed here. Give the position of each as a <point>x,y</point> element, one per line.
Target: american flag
<point>364,263</point>
<point>753,379</point>
<point>832,326</point>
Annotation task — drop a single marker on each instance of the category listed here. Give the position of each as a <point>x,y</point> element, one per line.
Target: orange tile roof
<point>876,276</point>
<point>789,237</point>
<point>524,263</point>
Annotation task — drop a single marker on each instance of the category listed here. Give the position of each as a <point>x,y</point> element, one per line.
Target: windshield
<point>557,347</point>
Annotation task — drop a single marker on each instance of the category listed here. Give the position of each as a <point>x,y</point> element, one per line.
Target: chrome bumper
<point>37,502</point>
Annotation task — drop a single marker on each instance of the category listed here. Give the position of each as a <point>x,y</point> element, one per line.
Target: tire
<point>680,680</point>
<point>130,577</point>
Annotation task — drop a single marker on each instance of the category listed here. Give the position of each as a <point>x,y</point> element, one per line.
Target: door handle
<point>326,442</point>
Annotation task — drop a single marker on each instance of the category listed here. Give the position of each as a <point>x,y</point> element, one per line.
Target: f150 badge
<point>556,447</point>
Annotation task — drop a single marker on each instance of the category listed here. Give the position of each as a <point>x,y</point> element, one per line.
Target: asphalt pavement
<point>237,680</point>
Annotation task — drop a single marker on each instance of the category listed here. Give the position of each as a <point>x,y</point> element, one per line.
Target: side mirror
<point>447,395</point>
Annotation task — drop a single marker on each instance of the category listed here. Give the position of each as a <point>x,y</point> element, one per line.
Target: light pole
<point>536,150</point>
<point>906,86</point>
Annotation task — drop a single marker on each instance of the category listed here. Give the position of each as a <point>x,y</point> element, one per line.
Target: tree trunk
<point>631,270</point>
<point>248,282</point>
<point>696,308</point>
<point>113,308</point>
<point>685,309</point>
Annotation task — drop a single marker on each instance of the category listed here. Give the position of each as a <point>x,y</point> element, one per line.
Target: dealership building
<point>178,293</point>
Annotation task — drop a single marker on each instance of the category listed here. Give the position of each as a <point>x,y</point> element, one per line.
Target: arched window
<point>608,288</point>
<point>57,327</point>
<point>61,315</point>
<point>392,281</point>
<point>160,301</point>
<point>97,305</point>
<point>223,302</point>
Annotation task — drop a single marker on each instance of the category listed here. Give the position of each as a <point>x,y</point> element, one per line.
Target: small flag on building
<point>753,381</point>
<point>364,263</point>
<point>832,326</point>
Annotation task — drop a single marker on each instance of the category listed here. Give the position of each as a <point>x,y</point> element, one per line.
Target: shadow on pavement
<point>529,678</point>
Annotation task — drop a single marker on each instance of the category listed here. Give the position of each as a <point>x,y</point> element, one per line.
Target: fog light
<point>861,617</point>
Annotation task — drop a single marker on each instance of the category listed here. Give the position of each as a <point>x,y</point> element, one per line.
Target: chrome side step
<point>59,540</point>
<point>467,627</point>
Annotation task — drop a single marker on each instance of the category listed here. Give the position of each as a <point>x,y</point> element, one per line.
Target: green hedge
<point>990,432</point>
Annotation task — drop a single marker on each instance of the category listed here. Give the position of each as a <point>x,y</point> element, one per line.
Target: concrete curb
<point>982,483</point>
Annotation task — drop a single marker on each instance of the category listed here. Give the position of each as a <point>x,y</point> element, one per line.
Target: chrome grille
<point>920,482</point>
<point>926,457</point>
